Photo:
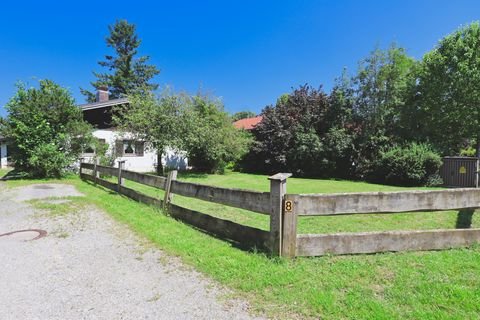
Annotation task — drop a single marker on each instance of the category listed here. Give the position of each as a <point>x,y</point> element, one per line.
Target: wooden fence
<point>284,209</point>
<point>244,236</point>
<point>465,200</point>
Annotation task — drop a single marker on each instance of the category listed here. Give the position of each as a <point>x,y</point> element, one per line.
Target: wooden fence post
<point>121,181</point>
<point>96,173</point>
<point>278,189</point>
<point>80,169</point>
<point>172,176</point>
<point>289,236</point>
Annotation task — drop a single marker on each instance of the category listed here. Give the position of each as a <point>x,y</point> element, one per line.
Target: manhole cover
<point>25,235</point>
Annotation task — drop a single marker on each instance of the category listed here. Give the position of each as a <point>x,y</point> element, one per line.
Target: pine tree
<point>127,73</point>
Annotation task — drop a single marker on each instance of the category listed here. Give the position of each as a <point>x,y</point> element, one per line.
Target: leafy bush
<point>409,165</point>
<point>468,152</point>
<point>212,142</point>
<point>46,128</point>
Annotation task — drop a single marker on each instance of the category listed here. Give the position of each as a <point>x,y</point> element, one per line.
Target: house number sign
<point>288,206</point>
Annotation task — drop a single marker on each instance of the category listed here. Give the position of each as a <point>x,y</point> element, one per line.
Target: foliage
<point>340,135</point>
<point>243,115</point>
<point>211,139</point>
<point>127,73</point>
<point>300,134</point>
<point>161,120</point>
<point>380,90</point>
<point>194,124</point>
<point>410,165</point>
<point>447,100</point>
<point>468,152</point>
<point>46,128</point>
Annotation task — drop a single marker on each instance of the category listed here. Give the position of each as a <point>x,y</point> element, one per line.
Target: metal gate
<point>460,172</point>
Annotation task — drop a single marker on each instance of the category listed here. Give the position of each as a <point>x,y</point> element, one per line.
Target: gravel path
<point>91,267</point>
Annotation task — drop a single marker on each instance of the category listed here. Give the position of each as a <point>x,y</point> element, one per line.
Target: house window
<point>128,148</point>
<point>131,148</point>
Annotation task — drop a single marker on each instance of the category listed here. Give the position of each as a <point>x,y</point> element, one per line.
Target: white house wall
<point>145,163</point>
<point>3,155</point>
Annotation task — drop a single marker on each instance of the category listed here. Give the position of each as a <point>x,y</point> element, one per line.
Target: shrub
<point>410,165</point>
<point>211,141</point>
<point>468,152</point>
<point>46,128</point>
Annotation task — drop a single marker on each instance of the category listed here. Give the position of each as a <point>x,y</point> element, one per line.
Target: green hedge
<point>409,165</point>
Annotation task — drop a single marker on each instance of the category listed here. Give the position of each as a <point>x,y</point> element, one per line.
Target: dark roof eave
<point>98,105</point>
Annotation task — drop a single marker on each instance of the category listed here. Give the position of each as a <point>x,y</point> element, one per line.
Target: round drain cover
<point>25,235</point>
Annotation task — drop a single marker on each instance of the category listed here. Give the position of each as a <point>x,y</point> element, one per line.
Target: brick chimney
<point>102,94</point>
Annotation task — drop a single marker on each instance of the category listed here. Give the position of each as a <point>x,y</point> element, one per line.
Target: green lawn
<point>414,285</point>
<point>3,172</point>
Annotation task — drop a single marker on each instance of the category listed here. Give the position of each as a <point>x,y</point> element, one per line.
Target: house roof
<point>247,123</point>
<point>97,105</point>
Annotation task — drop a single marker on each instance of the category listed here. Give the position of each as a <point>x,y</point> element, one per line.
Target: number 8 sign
<point>288,206</point>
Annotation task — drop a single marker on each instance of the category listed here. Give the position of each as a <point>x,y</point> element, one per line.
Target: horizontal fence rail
<point>89,166</point>
<point>244,236</point>
<point>243,199</point>
<point>147,179</point>
<point>384,202</point>
<point>224,229</point>
<point>107,170</point>
<point>373,242</point>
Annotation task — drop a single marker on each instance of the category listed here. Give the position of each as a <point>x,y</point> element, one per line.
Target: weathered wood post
<point>121,181</point>
<point>278,189</point>
<point>96,173</point>
<point>172,176</point>
<point>289,236</point>
<point>80,169</point>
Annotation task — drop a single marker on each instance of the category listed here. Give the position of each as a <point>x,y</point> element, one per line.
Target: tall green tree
<point>212,141</point>
<point>381,87</point>
<point>160,121</point>
<point>127,73</point>
<point>447,94</point>
<point>295,136</point>
<point>197,125</point>
<point>47,129</point>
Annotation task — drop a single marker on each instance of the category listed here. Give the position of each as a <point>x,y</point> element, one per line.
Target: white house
<point>4,156</point>
<point>137,155</point>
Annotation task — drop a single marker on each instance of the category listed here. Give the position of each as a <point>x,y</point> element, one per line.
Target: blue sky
<point>247,52</point>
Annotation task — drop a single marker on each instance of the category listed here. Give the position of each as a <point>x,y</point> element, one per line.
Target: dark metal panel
<point>459,171</point>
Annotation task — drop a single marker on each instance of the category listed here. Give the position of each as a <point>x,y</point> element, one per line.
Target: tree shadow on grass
<point>192,175</point>
<point>93,184</point>
<point>14,175</point>
<point>464,218</point>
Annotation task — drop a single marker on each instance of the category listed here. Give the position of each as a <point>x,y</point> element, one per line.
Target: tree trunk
<point>159,162</point>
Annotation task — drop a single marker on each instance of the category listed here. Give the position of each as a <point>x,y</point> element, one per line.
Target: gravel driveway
<point>91,267</point>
